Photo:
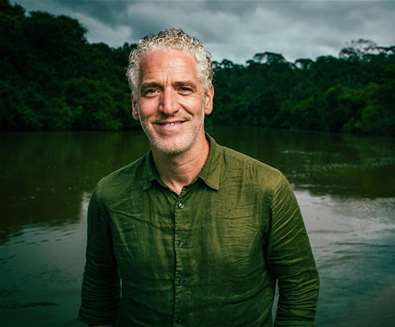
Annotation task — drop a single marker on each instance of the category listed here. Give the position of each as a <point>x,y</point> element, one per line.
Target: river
<point>345,186</point>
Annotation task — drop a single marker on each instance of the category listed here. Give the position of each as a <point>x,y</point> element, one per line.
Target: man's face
<point>172,102</point>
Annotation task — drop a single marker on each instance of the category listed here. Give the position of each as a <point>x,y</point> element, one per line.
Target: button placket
<point>179,243</point>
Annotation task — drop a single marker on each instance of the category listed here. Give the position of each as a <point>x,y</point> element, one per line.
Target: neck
<point>179,170</point>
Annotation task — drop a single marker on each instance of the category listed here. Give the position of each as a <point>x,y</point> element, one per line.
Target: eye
<point>185,90</point>
<point>150,92</point>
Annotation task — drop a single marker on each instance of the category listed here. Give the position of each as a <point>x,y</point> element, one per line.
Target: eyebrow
<point>185,83</point>
<point>147,85</point>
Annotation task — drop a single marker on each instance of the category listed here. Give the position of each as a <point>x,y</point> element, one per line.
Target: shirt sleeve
<point>101,286</point>
<point>291,260</point>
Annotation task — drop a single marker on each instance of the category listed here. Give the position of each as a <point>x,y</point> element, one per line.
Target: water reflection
<point>324,164</point>
<point>44,174</point>
<point>40,272</point>
<point>345,186</point>
<point>354,244</point>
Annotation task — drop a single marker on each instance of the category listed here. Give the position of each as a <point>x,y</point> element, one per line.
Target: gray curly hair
<point>171,38</point>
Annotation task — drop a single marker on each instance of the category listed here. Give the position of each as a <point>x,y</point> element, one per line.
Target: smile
<point>169,127</point>
<point>172,123</point>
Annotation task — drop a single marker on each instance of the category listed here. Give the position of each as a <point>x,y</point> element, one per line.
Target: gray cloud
<point>236,29</point>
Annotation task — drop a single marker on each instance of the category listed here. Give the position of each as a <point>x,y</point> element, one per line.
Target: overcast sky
<point>236,30</point>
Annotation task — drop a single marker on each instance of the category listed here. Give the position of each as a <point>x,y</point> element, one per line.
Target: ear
<point>135,112</point>
<point>208,104</point>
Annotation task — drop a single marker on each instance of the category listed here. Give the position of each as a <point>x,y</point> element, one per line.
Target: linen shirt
<point>208,257</point>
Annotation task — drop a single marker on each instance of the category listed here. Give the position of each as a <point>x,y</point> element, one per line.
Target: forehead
<point>168,63</point>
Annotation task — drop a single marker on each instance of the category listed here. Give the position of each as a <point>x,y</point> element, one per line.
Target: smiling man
<point>192,233</point>
<point>171,103</point>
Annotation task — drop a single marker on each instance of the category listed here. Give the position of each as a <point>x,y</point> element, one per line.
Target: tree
<point>269,58</point>
<point>52,78</point>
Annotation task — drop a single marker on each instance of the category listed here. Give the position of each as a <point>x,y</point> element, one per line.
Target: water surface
<point>345,186</point>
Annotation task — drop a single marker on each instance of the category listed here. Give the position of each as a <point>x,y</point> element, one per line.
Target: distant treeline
<point>51,78</point>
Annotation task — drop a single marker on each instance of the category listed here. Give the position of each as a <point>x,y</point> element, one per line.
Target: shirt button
<point>180,205</point>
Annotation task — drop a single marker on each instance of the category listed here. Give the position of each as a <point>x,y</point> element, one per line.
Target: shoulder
<point>120,181</point>
<point>251,170</point>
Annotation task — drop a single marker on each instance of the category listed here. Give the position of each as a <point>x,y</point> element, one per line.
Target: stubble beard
<point>178,146</point>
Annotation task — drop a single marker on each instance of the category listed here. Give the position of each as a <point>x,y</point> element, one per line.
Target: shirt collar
<point>150,173</point>
<point>210,173</point>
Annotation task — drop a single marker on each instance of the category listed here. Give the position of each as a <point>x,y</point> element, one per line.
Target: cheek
<point>146,108</point>
<point>191,104</point>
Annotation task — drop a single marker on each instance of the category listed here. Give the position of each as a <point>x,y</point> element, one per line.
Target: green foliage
<point>354,93</point>
<point>51,78</point>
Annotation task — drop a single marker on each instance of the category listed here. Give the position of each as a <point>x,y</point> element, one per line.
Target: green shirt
<point>208,257</point>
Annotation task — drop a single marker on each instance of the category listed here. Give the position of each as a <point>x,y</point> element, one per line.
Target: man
<point>193,233</point>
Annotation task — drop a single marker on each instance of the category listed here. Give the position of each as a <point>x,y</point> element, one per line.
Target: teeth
<point>172,124</point>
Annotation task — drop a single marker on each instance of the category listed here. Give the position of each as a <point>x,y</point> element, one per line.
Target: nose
<point>168,105</point>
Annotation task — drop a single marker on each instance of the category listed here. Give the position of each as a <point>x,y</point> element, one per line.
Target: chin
<point>175,144</point>
<point>171,148</point>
